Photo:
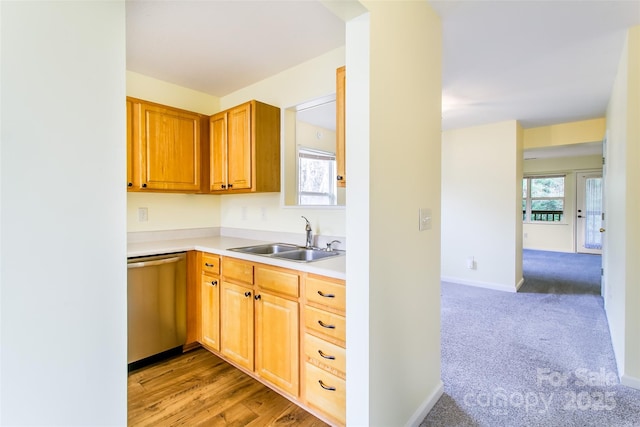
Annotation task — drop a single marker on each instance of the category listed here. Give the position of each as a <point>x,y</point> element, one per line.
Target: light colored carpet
<point>541,357</point>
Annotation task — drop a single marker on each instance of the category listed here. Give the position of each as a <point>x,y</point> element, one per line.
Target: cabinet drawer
<point>210,263</point>
<point>325,392</point>
<point>238,270</point>
<point>325,354</point>
<point>324,292</point>
<point>332,325</point>
<point>282,281</point>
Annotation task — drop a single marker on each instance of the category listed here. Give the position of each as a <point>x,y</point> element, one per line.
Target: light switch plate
<point>424,219</point>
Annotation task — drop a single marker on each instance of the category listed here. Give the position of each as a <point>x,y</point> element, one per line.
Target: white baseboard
<point>426,406</point>
<point>629,381</point>
<point>486,285</point>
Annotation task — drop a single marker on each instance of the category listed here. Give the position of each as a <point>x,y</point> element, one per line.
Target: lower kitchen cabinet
<point>282,326</point>
<point>236,323</point>
<point>326,392</point>
<point>210,312</point>
<point>324,347</point>
<point>277,343</point>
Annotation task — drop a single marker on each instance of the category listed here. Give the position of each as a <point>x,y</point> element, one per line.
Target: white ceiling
<point>217,47</point>
<point>539,62</point>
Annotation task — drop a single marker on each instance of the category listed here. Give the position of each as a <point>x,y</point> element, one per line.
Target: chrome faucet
<point>329,247</point>
<point>307,228</point>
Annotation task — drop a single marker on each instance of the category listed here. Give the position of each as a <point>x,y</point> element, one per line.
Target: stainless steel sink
<point>288,251</point>
<point>268,249</point>
<point>307,255</point>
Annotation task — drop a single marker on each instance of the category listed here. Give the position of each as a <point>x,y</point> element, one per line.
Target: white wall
<point>63,229</point>
<point>622,204</point>
<point>481,205</point>
<point>393,155</point>
<point>558,237</point>
<point>167,211</point>
<point>357,221</point>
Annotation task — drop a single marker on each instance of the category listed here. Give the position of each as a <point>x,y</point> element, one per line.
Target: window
<point>316,177</point>
<point>543,199</point>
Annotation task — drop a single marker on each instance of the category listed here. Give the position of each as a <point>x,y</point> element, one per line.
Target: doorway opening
<point>589,210</point>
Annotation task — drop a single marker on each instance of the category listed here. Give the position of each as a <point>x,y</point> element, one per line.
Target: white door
<point>589,207</point>
<point>603,284</point>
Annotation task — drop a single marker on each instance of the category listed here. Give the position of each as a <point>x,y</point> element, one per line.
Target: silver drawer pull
<point>321,353</point>
<point>326,387</point>
<point>326,295</point>
<point>324,325</point>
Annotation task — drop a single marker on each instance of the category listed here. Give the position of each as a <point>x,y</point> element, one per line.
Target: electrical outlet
<point>263,213</point>
<point>471,263</point>
<point>424,215</point>
<point>143,214</point>
<point>244,213</point>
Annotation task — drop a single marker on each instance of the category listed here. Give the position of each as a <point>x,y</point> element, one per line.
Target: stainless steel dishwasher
<point>156,305</point>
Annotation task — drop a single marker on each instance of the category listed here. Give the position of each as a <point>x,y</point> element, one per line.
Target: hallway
<point>540,357</point>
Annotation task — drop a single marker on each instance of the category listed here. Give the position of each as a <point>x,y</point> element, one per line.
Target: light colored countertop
<point>331,267</point>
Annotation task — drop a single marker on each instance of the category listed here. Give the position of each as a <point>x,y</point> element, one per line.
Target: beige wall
<point>558,237</point>
<point>310,80</point>
<point>622,204</point>
<point>154,90</point>
<point>481,212</point>
<point>312,136</point>
<point>172,211</point>
<point>304,82</point>
<point>393,155</point>
<point>565,133</point>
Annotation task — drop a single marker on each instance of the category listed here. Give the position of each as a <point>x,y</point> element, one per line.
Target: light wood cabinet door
<point>326,392</point>
<point>239,147</point>
<point>130,152</point>
<point>169,147</point>
<point>325,324</point>
<point>236,324</point>
<point>218,150</point>
<point>277,342</point>
<point>245,149</point>
<point>210,311</point>
<point>340,127</point>
<point>326,292</point>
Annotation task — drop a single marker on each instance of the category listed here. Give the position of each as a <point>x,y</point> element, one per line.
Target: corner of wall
<point>154,90</point>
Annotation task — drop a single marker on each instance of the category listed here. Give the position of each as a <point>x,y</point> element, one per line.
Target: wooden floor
<point>200,389</point>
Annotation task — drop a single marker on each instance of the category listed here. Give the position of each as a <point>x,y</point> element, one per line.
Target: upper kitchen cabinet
<point>340,127</point>
<point>245,149</point>
<point>130,151</point>
<point>166,150</point>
